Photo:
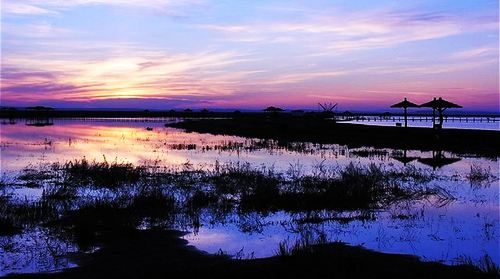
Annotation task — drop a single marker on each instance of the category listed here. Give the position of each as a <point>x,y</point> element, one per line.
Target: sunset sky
<point>162,54</point>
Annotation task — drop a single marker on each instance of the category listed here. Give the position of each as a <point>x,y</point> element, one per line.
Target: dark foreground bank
<point>162,254</point>
<point>479,142</point>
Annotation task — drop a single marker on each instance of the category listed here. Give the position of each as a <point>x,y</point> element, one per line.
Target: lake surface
<point>466,226</point>
<point>476,123</point>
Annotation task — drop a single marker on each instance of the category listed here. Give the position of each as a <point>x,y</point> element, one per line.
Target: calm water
<point>468,226</point>
<point>476,123</point>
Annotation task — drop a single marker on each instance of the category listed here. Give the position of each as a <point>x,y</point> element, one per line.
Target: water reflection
<point>39,121</point>
<point>432,229</point>
<point>34,250</point>
<point>403,157</point>
<point>438,160</point>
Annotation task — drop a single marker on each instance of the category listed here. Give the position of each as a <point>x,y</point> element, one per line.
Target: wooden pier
<point>420,118</point>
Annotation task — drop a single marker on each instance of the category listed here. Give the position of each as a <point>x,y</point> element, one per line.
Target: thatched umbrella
<point>405,104</point>
<point>440,105</point>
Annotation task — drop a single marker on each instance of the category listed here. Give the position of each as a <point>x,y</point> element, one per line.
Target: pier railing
<point>420,118</point>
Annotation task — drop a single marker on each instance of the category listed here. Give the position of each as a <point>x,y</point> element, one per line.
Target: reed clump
<point>99,174</point>
<point>302,246</point>
<point>478,174</point>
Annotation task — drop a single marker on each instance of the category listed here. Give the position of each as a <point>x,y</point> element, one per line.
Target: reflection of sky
<point>23,145</point>
<point>466,227</point>
<point>462,229</point>
<point>34,250</point>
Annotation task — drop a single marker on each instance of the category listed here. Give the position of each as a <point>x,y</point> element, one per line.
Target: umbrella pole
<point>406,118</point>
<point>441,117</point>
<point>433,117</point>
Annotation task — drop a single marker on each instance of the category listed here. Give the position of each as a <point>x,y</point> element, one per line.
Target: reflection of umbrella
<point>405,105</point>
<point>440,105</point>
<point>438,160</point>
<point>404,160</point>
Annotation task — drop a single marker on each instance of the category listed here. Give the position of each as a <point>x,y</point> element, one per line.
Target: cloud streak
<point>53,7</point>
<point>135,73</point>
<point>357,31</point>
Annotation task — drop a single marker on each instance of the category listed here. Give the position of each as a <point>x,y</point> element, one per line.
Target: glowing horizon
<point>241,54</point>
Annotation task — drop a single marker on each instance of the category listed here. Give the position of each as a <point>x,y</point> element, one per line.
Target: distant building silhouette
<point>273,109</point>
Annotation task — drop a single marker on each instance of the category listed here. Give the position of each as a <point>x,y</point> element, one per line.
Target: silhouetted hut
<point>440,106</point>
<point>405,104</point>
<point>273,109</point>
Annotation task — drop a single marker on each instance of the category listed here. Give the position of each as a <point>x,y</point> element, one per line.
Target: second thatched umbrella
<point>405,104</point>
<point>440,105</point>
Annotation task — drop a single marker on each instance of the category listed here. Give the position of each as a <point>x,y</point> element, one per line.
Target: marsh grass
<point>183,146</point>
<point>302,246</point>
<point>99,174</point>
<point>369,152</point>
<point>123,195</point>
<point>478,174</point>
<point>17,216</point>
<point>3,182</point>
<point>87,203</point>
<point>7,226</point>
<point>34,177</point>
<point>485,265</point>
<point>59,192</point>
<point>250,188</point>
<point>413,174</point>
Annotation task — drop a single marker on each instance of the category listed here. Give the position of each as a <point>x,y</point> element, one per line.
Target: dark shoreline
<point>163,254</point>
<point>476,142</point>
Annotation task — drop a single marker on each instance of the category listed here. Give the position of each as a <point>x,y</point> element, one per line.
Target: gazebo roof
<point>405,104</point>
<point>440,103</point>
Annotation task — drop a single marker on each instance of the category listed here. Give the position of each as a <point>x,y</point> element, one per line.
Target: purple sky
<point>159,54</point>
